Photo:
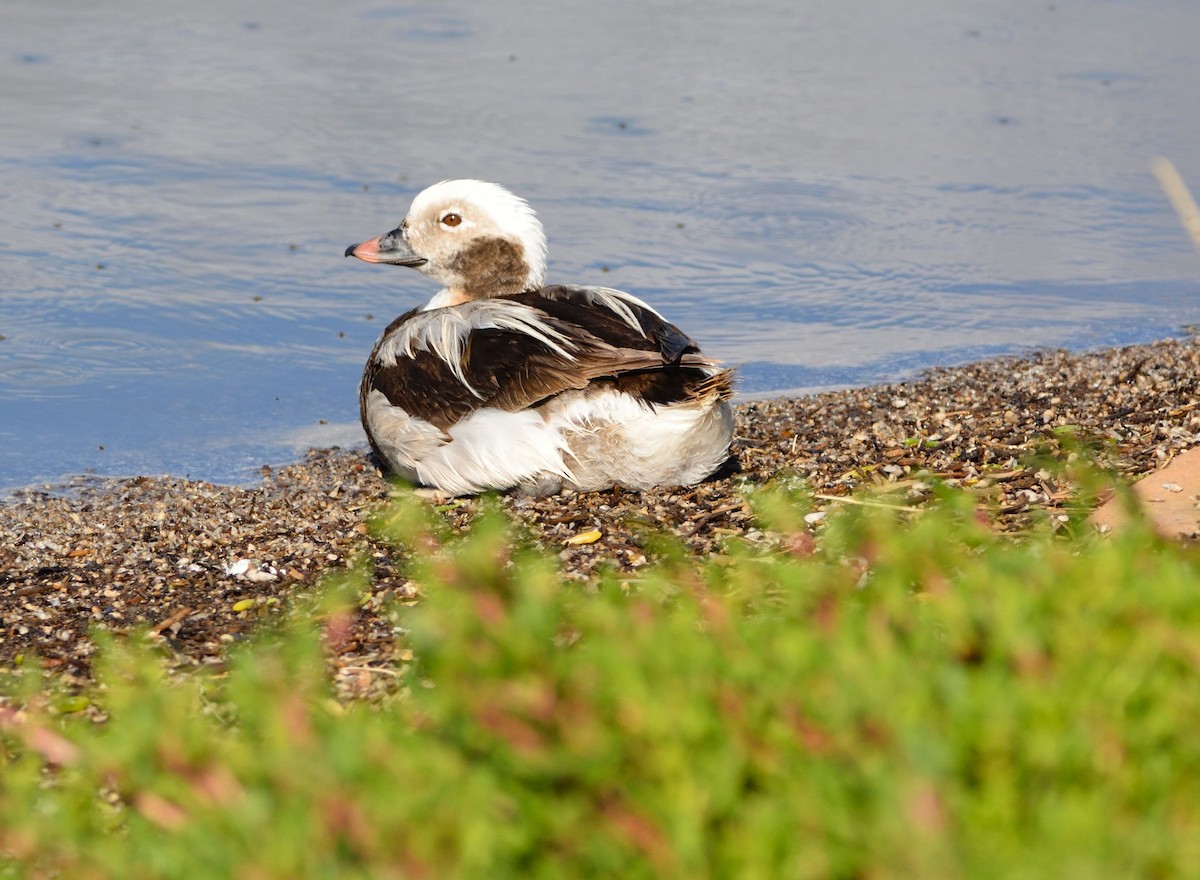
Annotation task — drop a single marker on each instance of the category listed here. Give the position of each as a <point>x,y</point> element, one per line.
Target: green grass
<point>918,698</point>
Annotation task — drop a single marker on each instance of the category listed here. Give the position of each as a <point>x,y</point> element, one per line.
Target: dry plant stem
<point>1180,196</point>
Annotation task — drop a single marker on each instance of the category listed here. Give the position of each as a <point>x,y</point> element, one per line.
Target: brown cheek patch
<point>491,267</point>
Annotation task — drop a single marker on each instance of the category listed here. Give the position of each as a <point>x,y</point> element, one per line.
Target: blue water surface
<point>823,194</point>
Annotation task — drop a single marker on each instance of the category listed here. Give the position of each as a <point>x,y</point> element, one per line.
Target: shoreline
<point>201,564</point>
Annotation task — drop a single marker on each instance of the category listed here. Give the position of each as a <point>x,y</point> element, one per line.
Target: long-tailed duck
<point>499,382</point>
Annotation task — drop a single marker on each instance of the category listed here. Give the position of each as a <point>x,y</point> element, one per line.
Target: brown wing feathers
<point>512,370</point>
<point>576,305</point>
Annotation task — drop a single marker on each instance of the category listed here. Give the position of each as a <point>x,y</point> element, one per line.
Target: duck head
<point>474,238</point>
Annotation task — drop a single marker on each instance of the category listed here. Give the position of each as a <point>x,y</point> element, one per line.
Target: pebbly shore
<point>199,565</point>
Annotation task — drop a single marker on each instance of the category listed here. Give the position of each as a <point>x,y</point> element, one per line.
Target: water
<point>825,193</point>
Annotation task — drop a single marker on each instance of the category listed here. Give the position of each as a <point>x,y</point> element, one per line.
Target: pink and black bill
<point>391,247</point>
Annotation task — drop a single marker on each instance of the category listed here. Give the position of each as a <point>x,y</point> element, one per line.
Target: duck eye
<point>451,220</point>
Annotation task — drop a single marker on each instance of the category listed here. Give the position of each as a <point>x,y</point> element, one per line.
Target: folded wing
<point>514,352</point>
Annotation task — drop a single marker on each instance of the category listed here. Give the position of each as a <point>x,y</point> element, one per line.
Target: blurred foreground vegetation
<point>915,696</point>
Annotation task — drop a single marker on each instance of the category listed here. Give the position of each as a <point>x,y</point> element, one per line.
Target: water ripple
<point>108,351</point>
<point>38,379</point>
<point>44,362</point>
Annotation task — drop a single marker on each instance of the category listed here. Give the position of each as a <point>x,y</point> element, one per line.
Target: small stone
<point>237,568</point>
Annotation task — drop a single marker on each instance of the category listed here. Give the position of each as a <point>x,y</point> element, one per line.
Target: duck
<point>501,382</point>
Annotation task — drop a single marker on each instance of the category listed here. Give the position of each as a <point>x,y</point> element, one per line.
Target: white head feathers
<point>446,218</point>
